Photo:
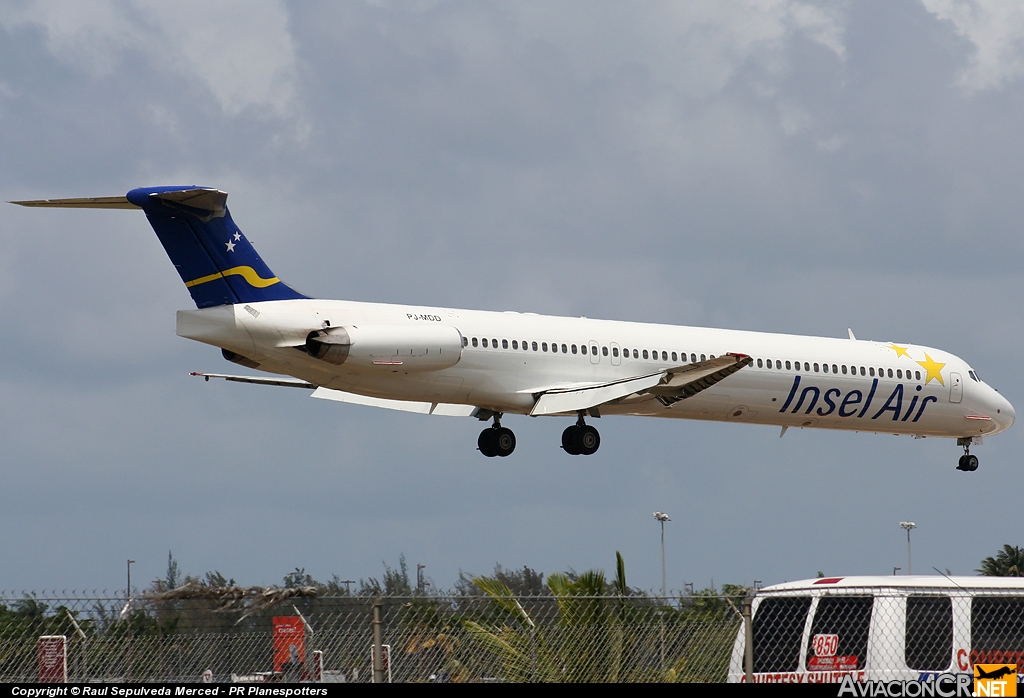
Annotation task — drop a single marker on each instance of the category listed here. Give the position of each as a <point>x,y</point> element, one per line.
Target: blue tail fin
<point>216,262</point>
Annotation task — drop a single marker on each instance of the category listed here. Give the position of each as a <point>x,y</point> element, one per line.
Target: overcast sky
<point>770,165</point>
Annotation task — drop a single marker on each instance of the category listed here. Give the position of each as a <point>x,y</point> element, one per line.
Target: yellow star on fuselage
<point>900,351</point>
<point>933,368</point>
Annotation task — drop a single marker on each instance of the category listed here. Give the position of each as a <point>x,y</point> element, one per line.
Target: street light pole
<point>908,525</point>
<point>661,518</point>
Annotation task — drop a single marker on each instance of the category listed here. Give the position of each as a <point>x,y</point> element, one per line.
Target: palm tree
<point>1009,562</point>
<point>592,640</point>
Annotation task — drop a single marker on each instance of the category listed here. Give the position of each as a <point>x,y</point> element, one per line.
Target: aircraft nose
<point>1004,413</point>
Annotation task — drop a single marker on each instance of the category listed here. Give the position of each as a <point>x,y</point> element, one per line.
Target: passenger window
<point>465,341</point>
<point>674,356</point>
<point>787,366</point>
<point>573,348</point>
<point>703,358</point>
<point>862,371</point>
<point>604,351</point>
<point>693,358</point>
<point>778,628</point>
<point>890,373</point>
<point>615,351</point>
<point>583,348</point>
<point>929,634</point>
<point>815,368</point>
<point>635,354</point>
<point>760,364</point>
<point>997,629</point>
<point>515,344</point>
<point>778,364</point>
<point>824,367</point>
<point>535,346</point>
<point>554,348</point>
<point>807,366</point>
<point>849,617</point>
<point>474,341</point>
<point>844,369</point>
<point>899,372</point>
<point>870,371</point>
<point>504,344</point>
<point>834,368</point>
<point>544,346</point>
<point>664,356</point>
<point>645,353</point>
<point>563,349</point>
<point>917,375</point>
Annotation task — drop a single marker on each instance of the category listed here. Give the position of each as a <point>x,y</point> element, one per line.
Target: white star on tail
<point>230,246</point>
<point>238,237</point>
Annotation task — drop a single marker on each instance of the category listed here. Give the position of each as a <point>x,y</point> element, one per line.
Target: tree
<point>1008,562</point>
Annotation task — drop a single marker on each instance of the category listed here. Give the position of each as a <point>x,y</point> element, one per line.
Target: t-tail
<point>212,256</point>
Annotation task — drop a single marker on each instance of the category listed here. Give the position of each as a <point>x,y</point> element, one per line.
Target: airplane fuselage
<point>509,358</point>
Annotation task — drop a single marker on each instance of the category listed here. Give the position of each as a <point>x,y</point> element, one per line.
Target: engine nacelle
<point>388,347</point>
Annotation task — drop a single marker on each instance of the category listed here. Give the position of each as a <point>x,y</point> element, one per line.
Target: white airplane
<point>444,361</point>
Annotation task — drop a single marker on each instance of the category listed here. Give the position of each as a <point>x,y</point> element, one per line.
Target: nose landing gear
<point>496,440</point>
<point>580,439</point>
<point>968,463</point>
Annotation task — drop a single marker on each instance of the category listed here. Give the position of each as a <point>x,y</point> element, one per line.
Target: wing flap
<point>668,386</point>
<point>438,408</point>
<point>575,399</point>
<point>691,379</point>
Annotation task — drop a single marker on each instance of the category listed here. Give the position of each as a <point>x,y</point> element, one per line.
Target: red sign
<point>842,664</point>
<point>825,645</point>
<point>289,643</point>
<point>53,659</point>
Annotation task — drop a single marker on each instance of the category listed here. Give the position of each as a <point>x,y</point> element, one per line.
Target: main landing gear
<point>580,439</point>
<point>968,463</point>
<point>496,440</point>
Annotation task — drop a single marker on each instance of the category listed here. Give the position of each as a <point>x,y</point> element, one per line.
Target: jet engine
<point>393,347</point>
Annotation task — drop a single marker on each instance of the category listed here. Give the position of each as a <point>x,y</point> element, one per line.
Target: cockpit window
<point>974,376</point>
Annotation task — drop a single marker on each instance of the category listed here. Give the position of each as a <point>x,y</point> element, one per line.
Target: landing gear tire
<point>569,440</point>
<point>968,463</point>
<point>581,440</point>
<point>496,441</point>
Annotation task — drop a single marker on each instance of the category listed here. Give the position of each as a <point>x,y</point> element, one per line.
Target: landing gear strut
<point>968,463</point>
<point>580,439</point>
<point>496,440</point>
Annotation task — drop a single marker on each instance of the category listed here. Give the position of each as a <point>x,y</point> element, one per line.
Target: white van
<point>882,628</point>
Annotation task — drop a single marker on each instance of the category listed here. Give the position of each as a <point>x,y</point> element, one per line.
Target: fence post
<point>748,631</point>
<point>378,649</point>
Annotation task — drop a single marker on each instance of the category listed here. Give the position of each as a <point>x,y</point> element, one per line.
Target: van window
<point>778,627</point>
<point>929,644</point>
<point>997,630</point>
<point>849,618</point>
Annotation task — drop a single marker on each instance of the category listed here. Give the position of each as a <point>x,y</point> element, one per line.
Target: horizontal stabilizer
<point>441,408</point>
<point>93,202</point>
<point>258,380</point>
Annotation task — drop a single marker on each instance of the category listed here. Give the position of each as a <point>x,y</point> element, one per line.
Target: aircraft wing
<point>281,382</point>
<point>441,408</point>
<point>668,386</point>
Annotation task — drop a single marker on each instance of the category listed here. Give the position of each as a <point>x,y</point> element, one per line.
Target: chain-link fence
<point>428,638</point>
<point>814,632</point>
